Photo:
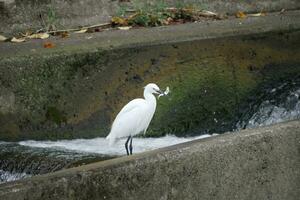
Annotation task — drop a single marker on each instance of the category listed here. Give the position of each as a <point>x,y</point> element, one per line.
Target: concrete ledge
<point>111,40</point>
<point>252,164</point>
<point>21,16</point>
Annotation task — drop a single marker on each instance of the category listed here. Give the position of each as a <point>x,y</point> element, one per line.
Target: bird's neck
<point>149,97</point>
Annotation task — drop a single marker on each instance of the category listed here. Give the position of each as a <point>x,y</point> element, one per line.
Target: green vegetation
<point>51,21</point>
<point>154,14</point>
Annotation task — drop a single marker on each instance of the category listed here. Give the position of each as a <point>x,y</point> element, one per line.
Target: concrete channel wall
<point>75,89</point>
<point>17,16</point>
<point>253,164</point>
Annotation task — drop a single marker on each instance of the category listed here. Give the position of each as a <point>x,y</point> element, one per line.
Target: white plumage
<point>134,117</point>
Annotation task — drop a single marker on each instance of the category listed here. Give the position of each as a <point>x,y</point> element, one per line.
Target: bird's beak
<point>159,92</point>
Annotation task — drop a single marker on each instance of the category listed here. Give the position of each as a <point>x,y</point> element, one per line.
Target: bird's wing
<point>130,106</point>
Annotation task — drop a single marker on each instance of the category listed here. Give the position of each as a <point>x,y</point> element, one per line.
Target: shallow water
<point>27,158</point>
<point>100,145</point>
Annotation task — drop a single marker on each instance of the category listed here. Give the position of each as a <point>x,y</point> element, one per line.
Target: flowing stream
<point>27,158</point>
<point>273,105</point>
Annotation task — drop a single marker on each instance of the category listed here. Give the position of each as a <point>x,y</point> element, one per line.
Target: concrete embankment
<point>76,88</point>
<point>22,16</point>
<point>261,163</point>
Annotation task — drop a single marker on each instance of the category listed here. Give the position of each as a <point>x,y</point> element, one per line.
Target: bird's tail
<point>111,139</point>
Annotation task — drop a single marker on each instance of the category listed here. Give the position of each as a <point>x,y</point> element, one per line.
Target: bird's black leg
<point>130,146</point>
<point>126,145</point>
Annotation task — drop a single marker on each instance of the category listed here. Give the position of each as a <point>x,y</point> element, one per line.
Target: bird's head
<point>152,88</point>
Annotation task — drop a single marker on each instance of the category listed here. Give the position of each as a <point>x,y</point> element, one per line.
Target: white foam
<point>9,176</point>
<point>268,113</point>
<point>100,145</point>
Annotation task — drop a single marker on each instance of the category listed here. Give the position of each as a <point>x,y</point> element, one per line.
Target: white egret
<point>134,117</point>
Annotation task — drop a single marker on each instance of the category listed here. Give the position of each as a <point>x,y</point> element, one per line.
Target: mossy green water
<point>72,95</point>
<point>209,92</point>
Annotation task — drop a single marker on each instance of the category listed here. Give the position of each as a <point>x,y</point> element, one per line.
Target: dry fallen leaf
<point>208,13</point>
<point>65,34</point>
<point>170,19</point>
<point>17,40</point>
<point>48,45</point>
<point>164,22</point>
<point>240,14</point>
<point>257,14</point>
<point>81,31</point>
<point>39,36</point>
<point>119,20</point>
<point>2,38</point>
<point>282,11</point>
<point>125,28</point>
